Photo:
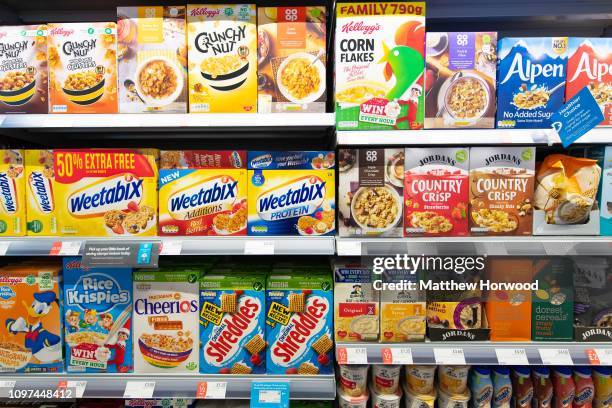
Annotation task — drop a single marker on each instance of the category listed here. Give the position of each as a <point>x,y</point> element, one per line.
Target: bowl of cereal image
<point>376,209</point>
<point>17,88</point>
<point>301,78</point>
<point>84,87</point>
<point>225,73</point>
<point>15,356</point>
<point>159,81</point>
<point>165,351</point>
<point>465,97</point>
<point>357,93</point>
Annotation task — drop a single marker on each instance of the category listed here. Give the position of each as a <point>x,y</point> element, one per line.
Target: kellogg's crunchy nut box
<point>370,95</point>
<point>222,49</point>
<point>41,193</point>
<point>82,68</point>
<point>12,193</point>
<point>402,311</point>
<point>24,85</point>
<point>107,192</point>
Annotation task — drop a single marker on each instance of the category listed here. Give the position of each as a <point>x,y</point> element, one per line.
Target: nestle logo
<point>206,12</point>
<point>359,26</point>
<point>62,31</point>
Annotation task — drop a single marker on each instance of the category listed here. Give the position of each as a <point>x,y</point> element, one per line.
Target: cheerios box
<point>106,192</point>
<point>232,328</point>
<point>12,194</point>
<point>291,193</point>
<point>203,192</point>
<point>41,193</point>
<point>299,323</point>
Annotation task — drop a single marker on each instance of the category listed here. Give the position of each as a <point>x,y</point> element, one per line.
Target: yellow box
<point>12,194</point>
<point>40,193</point>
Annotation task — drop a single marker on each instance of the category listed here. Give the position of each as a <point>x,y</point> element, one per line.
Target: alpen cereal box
<point>166,326</point>
<point>107,192</point>
<point>291,193</point>
<point>222,49</point>
<point>299,319</point>
<point>291,57</point>
<point>232,323</point>
<point>24,85</point>
<point>41,200</point>
<point>97,318</point>
<point>152,54</point>
<point>82,60</point>
<point>530,81</point>
<point>590,65</point>
<point>12,193</point>
<point>203,192</point>
<point>380,62</point>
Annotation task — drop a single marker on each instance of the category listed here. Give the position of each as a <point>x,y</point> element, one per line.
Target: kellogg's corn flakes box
<point>291,193</point>
<point>12,194</point>
<point>107,192</point>
<point>41,212</point>
<point>203,192</point>
<point>82,68</point>
<point>222,49</point>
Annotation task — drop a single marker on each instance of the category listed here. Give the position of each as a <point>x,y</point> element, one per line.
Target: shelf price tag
<point>352,355</point>
<point>65,248</point>
<point>6,386</point>
<point>449,356</point>
<point>551,356</point>
<point>269,394</point>
<point>4,246</point>
<point>599,356</point>
<point>396,355</point>
<point>171,247</point>
<point>211,390</point>
<point>259,247</point>
<point>77,386</point>
<point>348,247</point>
<point>139,389</point>
<point>510,356</point>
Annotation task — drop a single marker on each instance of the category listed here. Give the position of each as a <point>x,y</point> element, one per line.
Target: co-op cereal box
<point>299,319</point>
<point>12,193</point>
<point>232,323</point>
<point>222,49</point>
<point>203,192</point>
<point>530,81</point>
<point>82,68</point>
<point>106,192</point>
<point>30,313</point>
<point>166,326</point>
<point>97,318</point>
<point>380,61</point>
<point>291,193</point>
<point>590,65</point>
<point>24,85</point>
<point>41,200</point>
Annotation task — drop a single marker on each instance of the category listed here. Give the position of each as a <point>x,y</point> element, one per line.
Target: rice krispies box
<point>41,193</point>
<point>232,323</point>
<point>12,193</point>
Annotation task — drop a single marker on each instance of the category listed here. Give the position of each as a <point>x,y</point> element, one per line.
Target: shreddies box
<point>380,61</point>
<point>97,318</point>
<point>12,193</point>
<point>24,85</point>
<point>222,49</point>
<point>82,60</point>
<point>152,53</point>
<point>530,81</point>
<point>291,78</point>
<point>41,205</point>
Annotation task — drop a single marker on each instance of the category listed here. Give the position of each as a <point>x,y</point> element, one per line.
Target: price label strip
<point>352,355</point>
<point>259,248</point>
<point>449,356</point>
<point>211,390</point>
<point>65,248</point>
<point>511,356</point>
<point>397,355</point>
<point>266,394</point>
<point>6,387</point>
<point>4,247</point>
<point>171,247</point>
<point>600,356</point>
<point>139,389</point>
<point>551,356</point>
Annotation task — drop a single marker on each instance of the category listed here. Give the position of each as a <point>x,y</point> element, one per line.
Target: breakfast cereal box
<point>41,210</point>
<point>232,323</point>
<point>82,60</point>
<point>30,312</point>
<point>291,58</point>
<point>530,81</point>
<point>460,80</point>
<point>436,190</point>
<point>370,95</point>
<point>402,311</point>
<point>291,193</point>
<point>222,49</point>
<point>107,192</point>
<point>152,59</point>
<point>590,65</point>
<point>606,194</point>
<point>97,318</point>
<point>203,192</point>
<point>24,85</point>
<point>166,327</point>
<point>299,319</point>
<point>12,194</point>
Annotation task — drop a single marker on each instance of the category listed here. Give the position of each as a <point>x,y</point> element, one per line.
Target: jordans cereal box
<point>41,193</point>
<point>12,193</point>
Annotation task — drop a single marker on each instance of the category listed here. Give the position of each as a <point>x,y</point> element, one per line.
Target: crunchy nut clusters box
<point>12,193</point>
<point>41,193</point>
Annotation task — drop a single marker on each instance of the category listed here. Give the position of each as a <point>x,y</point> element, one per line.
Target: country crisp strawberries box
<point>232,328</point>
<point>41,193</point>
<point>299,319</point>
<point>12,193</point>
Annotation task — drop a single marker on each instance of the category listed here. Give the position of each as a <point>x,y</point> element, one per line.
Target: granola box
<point>291,58</point>
<point>299,324</point>
<point>106,192</point>
<point>291,193</point>
<point>460,80</point>
<point>24,85</point>
<point>82,60</point>
<point>369,95</point>
<point>402,311</point>
<point>152,54</point>
<point>166,325</point>
<point>530,81</point>
<point>222,49</point>
<point>232,323</point>
<point>501,190</point>
<point>436,191</point>
<point>41,203</point>
<point>12,194</point>
<point>97,318</point>
<point>203,192</point>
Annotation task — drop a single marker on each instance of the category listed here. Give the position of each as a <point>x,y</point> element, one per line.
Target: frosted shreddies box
<point>530,81</point>
<point>41,210</point>
<point>12,193</point>
<point>380,61</point>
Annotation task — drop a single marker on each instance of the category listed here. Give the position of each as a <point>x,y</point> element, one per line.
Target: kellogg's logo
<point>216,191</point>
<point>97,291</point>
<point>8,193</point>
<point>109,194</point>
<point>57,31</point>
<point>204,11</point>
<point>293,199</point>
<point>360,27</point>
<point>42,191</point>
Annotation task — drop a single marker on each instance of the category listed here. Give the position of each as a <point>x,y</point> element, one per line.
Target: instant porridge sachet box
<point>402,311</point>
<point>41,193</point>
<point>152,54</point>
<point>12,193</point>
<point>380,61</point>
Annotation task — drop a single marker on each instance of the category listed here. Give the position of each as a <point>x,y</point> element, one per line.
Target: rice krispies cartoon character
<point>106,321</point>
<point>90,319</point>
<point>72,321</point>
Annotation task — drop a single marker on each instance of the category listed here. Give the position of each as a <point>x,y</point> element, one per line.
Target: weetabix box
<point>41,192</point>
<point>12,193</point>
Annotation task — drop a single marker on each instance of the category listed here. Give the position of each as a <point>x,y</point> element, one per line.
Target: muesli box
<point>41,206</point>
<point>222,49</point>
<point>152,54</point>
<point>368,94</point>
<point>402,311</point>
<point>12,193</point>
<point>82,60</point>
<point>24,85</point>
<point>292,58</point>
